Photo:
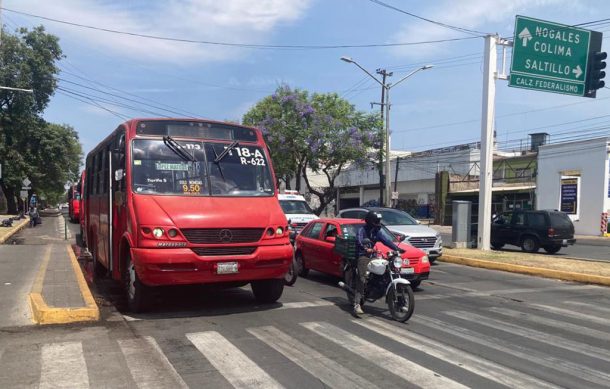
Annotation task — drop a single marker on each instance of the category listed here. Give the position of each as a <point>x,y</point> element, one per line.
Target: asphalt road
<point>471,328</point>
<point>594,249</point>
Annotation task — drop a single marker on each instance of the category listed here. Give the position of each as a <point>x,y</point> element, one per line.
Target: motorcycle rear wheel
<point>401,302</point>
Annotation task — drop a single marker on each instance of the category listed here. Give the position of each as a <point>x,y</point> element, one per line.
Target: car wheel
<point>268,291</point>
<point>552,249</point>
<point>530,244</point>
<point>291,275</point>
<point>300,265</point>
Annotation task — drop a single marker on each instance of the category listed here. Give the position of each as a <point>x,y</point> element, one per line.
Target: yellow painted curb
<point>17,228</point>
<point>43,314</point>
<point>530,270</point>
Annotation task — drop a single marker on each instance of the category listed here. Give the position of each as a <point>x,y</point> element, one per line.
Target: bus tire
<point>136,293</point>
<point>268,291</point>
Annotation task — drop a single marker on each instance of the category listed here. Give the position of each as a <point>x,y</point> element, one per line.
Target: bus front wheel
<point>268,291</point>
<point>137,293</point>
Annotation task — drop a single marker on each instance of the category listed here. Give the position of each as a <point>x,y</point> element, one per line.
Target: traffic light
<point>596,74</point>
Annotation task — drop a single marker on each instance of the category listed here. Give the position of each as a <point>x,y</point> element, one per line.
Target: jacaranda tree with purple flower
<point>319,133</point>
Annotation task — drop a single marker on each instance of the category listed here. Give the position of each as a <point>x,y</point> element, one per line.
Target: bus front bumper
<point>181,266</point>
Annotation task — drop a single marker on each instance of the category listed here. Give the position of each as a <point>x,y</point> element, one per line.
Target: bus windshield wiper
<point>225,151</point>
<point>177,149</point>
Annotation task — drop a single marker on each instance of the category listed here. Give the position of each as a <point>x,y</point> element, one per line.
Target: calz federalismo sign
<point>551,57</point>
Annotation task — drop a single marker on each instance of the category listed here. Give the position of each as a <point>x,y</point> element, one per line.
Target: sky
<point>108,77</point>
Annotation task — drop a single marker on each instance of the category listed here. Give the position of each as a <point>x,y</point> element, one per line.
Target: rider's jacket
<point>375,235</point>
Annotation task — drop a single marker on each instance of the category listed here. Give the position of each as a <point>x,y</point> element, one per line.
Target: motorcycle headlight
<point>425,259</point>
<point>397,262</point>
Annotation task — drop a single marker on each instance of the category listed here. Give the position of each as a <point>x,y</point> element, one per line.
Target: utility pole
<point>382,177</point>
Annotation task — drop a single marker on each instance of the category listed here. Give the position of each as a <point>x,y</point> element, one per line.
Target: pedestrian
<point>34,216</point>
<point>33,200</point>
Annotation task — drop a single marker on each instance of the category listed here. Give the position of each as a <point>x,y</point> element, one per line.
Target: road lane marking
<point>63,366</point>
<point>232,363</point>
<point>326,370</point>
<point>571,313</point>
<point>410,371</point>
<point>147,364</point>
<point>472,293</point>
<point>536,357</point>
<point>590,306</point>
<point>563,325</point>
<point>556,341</point>
<point>477,365</point>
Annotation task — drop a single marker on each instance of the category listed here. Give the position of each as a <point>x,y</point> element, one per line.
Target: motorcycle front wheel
<point>401,302</point>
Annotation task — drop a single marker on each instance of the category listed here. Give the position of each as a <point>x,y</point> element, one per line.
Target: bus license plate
<point>227,268</point>
<point>407,270</point>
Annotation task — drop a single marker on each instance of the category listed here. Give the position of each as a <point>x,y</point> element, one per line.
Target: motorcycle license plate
<point>407,270</point>
<point>227,268</point>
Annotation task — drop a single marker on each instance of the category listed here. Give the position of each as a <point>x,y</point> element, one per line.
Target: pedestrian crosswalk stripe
<point>557,341</point>
<point>527,354</point>
<point>326,370</point>
<point>232,363</point>
<point>306,304</point>
<point>571,313</point>
<point>410,371</point>
<point>480,366</point>
<point>563,325</point>
<point>147,364</point>
<point>600,309</point>
<point>63,366</point>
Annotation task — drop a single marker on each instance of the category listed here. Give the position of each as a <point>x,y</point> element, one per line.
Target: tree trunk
<point>9,193</point>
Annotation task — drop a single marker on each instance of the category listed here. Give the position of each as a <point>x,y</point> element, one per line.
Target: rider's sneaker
<point>358,310</point>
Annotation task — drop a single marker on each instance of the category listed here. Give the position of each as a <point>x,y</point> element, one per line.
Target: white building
<point>574,177</point>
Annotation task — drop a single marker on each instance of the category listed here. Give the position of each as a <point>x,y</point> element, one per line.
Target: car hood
<point>413,230</point>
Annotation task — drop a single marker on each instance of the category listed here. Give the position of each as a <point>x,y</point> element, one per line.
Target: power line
<point>241,45</point>
<point>454,28</point>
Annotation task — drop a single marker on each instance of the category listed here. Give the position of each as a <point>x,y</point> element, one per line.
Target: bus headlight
<point>158,232</point>
<point>172,233</point>
<point>425,259</point>
<point>279,231</point>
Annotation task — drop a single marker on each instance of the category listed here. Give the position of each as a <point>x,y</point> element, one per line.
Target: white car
<point>296,209</point>
<point>397,221</point>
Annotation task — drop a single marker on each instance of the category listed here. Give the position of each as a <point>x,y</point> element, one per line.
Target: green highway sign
<point>550,57</point>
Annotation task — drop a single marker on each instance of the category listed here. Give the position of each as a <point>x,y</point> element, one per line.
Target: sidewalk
<point>43,272</point>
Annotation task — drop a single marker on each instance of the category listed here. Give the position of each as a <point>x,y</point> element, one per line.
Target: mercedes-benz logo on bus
<point>225,235</point>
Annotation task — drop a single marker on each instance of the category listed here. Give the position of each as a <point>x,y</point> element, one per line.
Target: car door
<point>518,226</point>
<point>329,261</point>
<point>309,245</point>
<point>500,228</point>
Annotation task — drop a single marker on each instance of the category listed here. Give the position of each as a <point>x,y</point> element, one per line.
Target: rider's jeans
<point>360,281</point>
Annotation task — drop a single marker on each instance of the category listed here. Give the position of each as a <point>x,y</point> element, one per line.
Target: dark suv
<point>531,230</point>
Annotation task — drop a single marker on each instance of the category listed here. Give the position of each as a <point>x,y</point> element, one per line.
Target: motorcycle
<point>291,276</point>
<point>384,279</point>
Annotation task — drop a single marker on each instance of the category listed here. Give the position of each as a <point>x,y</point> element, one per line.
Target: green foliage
<point>322,132</point>
<point>48,154</point>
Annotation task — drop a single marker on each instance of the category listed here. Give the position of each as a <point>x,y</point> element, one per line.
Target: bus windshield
<point>157,169</point>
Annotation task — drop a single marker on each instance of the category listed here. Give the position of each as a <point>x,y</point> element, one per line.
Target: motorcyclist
<point>367,236</point>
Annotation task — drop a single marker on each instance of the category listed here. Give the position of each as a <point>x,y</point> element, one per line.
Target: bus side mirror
<point>118,174</point>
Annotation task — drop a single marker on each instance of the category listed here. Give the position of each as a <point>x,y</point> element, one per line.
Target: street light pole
<point>387,87</point>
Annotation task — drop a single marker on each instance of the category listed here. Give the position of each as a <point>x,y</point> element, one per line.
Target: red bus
<point>74,203</point>
<point>185,201</point>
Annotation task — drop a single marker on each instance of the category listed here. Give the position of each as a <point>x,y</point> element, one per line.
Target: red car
<point>315,249</point>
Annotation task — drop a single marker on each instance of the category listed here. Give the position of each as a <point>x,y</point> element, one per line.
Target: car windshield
<point>295,207</point>
<point>396,218</point>
<point>159,169</point>
<point>352,230</point>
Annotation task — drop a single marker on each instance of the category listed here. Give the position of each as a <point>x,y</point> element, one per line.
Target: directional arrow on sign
<point>577,71</point>
<point>525,36</point>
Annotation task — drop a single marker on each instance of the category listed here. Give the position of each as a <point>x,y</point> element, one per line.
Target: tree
<point>28,60</point>
<point>321,133</point>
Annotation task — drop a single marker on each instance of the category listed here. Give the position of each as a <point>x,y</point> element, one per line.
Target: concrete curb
<point>19,227</point>
<point>529,270</point>
<point>43,314</point>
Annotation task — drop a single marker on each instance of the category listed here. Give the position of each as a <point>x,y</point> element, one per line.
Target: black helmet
<point>372,218</point>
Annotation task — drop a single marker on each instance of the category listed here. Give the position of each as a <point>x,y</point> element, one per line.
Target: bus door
<point>118,216</point>
<point>103,231</point>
